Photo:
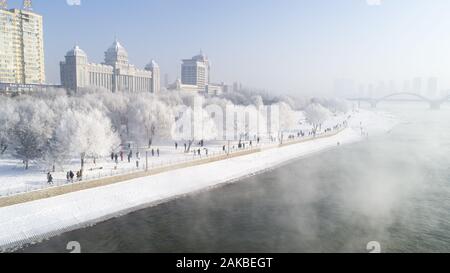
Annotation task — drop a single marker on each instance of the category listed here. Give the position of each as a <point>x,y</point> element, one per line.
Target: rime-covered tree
<point>316,115</point>
<point>85,134</point>
<point>334,105</point>
<point>8,117</point>
<point>194,125</point>
<point>149,118</point>
<point>288,118</point>
<point>33,130</point>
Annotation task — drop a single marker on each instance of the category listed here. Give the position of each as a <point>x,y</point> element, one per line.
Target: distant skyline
<point>289,46</point>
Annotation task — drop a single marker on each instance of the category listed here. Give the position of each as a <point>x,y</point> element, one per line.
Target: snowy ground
<point>29,222</point>
<point>14,179</point>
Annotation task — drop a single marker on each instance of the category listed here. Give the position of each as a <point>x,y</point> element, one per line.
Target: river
<point>393,189</point>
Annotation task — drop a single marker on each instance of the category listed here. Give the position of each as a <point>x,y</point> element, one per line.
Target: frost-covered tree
<point>243,122</point>
<point>85,134</point>
<point>316,115</point>
<point>334,105</point>
<point>257,101</point>
<point>288,118</point>
<point>8,117</point>
<point>193,126</point>
<point>33,130</point>
<point>171,99</point>
<point>56,125</point>
<point>149,119</point>
<point>117,110</point>
<point>341,106</point>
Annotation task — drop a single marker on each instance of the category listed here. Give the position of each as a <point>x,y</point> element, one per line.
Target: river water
<point>393,189</point>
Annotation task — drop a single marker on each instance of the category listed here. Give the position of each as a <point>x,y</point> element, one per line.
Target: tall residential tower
<point>21,46</point>
<point>195,71</point>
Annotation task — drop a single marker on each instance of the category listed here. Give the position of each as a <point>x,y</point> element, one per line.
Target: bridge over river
<point>434,103</point>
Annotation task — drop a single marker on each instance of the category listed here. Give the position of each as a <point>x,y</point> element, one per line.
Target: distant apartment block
<point>195,77</point>
<point>195,71</point>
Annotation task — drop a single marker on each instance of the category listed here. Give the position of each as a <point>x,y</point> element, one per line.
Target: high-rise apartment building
<point>196,72</point>
<point>21,47</point>
<point>195,77</point>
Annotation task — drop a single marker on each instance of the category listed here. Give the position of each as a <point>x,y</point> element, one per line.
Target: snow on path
<point>37,220</point>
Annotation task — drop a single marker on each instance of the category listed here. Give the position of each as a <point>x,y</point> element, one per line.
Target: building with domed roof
<point>115,74</point>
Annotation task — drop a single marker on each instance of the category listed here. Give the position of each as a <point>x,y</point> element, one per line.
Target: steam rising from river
<point>392,189</point>
<point>371,192</point>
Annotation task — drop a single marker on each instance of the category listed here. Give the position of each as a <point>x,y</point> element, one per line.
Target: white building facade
<point>156,76</point>
<point>115,74</point>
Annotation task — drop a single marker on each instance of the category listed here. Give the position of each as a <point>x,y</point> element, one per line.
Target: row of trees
<point>54,127</point>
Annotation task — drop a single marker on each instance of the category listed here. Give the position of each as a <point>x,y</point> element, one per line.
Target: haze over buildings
<point>428,87</point>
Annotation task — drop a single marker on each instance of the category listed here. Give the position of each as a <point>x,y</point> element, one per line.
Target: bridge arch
<point>402,94</point>
<point>434,103</point>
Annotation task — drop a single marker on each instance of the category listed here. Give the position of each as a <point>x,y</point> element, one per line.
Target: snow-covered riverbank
<point>34,221</point>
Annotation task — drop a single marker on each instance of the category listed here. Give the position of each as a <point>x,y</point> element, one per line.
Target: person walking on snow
<point>72,175</point>
<point>49,178</point>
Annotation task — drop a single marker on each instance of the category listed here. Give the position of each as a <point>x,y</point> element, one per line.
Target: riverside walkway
<point>101,182</point>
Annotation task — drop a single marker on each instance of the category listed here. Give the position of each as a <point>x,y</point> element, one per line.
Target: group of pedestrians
<point>199,152</point>
<point>70,176</point>
<point>154,152</point>
<point>157,152</point>
<point>115,157</point>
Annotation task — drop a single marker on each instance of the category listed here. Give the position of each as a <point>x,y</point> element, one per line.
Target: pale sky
<point>290,46</point>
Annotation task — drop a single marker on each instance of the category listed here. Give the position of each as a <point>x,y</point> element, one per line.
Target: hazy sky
<point>282,45</point>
